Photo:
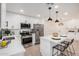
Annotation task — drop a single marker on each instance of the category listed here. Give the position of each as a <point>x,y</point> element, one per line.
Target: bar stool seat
<point>69,43</point>
<point>65,42</point>
<point>60,48</point>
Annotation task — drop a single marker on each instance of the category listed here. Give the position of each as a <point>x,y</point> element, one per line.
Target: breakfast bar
<point>46,44</point>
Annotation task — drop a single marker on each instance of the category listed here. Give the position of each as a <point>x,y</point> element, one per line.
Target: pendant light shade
<point>57,17</point>
<point>56,20</point>
<point>49,8</point>
<point>49,19</point>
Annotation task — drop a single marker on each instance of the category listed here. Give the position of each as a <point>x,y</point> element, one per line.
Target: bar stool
<point>60,48</point>
<point>69,43</point>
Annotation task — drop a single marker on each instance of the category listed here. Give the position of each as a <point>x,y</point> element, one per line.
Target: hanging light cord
<point>49,8</point>
<point>56,15</point>
<point>50,11</point>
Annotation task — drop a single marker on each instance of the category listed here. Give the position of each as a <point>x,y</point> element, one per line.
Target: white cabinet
<point>45,47</point>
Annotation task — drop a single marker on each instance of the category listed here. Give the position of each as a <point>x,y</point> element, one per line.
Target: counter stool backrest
<point>72,41</point>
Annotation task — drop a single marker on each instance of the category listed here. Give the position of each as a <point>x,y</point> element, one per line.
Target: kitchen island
<point>47,43</point>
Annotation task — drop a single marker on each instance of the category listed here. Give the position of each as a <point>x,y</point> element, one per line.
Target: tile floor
<point>35,50</point>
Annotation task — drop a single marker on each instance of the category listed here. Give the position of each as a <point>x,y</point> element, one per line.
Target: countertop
<point>13,48</point>
<point>50,38</point>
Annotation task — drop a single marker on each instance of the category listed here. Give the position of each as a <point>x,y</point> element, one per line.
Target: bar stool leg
<point>67,52</point>
<point>73,50</point>
<point>52,52</point>
<point>70,51</point>
<point>55,53</point>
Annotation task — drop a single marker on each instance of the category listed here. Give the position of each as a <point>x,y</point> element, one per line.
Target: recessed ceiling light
<point>38,15</point>
<point>21,10</point>
<point>65,13</point>
<point>56,6</point>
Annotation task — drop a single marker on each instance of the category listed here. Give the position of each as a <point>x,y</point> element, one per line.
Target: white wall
<point>73,25</point>
<point>0,14</point>
<point>51,27</point>
<point>3,14</point>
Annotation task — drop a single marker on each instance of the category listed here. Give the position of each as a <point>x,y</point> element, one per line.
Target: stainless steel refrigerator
<point>39,31</point>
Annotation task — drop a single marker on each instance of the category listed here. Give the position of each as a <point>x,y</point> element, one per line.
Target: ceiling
<point>41,9</point>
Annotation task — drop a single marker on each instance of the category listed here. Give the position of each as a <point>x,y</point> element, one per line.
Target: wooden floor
<point>35,50</point>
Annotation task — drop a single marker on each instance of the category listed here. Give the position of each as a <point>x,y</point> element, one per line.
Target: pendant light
<point>50,19</point>
<point>57,17</point>
<point>49,8</point>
